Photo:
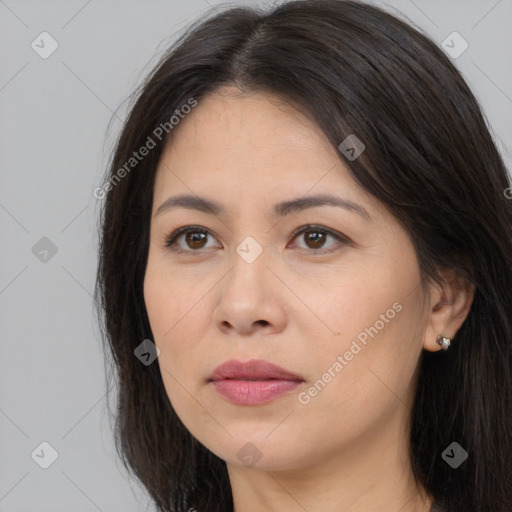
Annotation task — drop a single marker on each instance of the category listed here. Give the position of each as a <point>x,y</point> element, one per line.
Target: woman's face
<point>346,315</point>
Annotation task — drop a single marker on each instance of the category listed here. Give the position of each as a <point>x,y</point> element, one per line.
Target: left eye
<point>315,238</point>
<point>195,238</point>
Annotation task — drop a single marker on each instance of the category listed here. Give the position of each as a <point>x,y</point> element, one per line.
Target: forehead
<point>232,112</point>
<point>252,148</point>
<point>256,137</point>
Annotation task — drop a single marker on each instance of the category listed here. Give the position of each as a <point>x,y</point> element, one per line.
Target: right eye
<point>194,238</point>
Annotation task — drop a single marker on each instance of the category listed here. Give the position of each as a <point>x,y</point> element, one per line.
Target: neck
<point>369,475</point>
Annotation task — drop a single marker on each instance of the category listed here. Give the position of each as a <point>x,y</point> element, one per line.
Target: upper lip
<point>254,369</point>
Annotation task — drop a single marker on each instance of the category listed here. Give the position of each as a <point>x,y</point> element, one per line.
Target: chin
<point>260,454</point>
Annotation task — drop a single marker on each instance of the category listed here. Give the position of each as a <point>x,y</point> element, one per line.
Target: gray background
<point>54,146</point>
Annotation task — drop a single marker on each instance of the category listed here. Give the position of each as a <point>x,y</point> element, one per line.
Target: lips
<point>255,369</point>
<point>253,382</point>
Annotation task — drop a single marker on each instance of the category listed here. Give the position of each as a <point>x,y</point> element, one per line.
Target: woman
<point>305,272</point>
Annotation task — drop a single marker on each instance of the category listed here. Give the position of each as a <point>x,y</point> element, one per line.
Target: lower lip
<point>254,392</point>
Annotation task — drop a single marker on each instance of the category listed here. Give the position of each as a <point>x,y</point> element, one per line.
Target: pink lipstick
<point>253,382</point>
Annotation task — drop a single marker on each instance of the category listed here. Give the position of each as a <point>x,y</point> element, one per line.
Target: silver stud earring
<point>444,342</point>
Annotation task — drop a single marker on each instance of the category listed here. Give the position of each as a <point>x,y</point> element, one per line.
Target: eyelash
<point>171,239</point>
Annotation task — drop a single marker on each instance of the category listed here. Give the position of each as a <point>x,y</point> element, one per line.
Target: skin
<point>346,449</point>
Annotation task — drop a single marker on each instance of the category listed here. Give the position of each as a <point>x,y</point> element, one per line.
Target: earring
<point>444,342</point>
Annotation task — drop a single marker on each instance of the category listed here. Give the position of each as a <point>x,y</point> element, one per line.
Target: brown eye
<point>315,239</point>
<point>195,239</point>
<point>188,238</point>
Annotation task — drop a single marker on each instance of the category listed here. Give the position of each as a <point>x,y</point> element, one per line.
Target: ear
<point>449,306</point>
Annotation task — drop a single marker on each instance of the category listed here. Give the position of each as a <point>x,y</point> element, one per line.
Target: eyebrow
<point>281,209</point>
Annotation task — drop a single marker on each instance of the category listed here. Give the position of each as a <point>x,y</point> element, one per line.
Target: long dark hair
<point>429,157</point>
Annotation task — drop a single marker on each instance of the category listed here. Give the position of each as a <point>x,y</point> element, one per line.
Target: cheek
<point>358,384</point>
<point>369,326</point>
<point>167,300</point>
<point>168,308</point>
<point>178,315</point>
<point>344,302</point>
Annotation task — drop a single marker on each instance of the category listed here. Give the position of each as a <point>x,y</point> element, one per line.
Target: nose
<point>250,298</point>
